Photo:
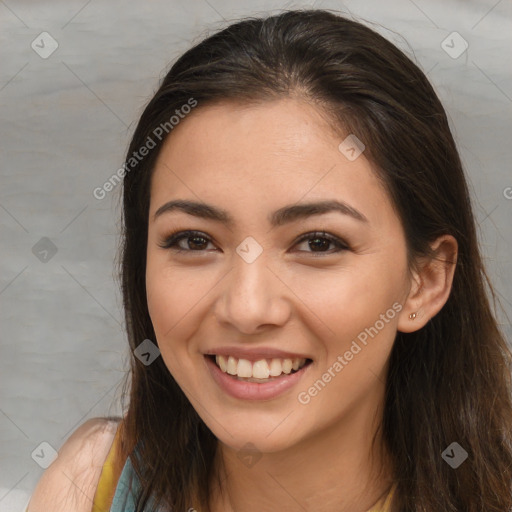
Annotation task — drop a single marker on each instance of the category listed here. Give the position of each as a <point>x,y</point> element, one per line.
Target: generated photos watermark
<point>137,156</point>
<point>304,397</point>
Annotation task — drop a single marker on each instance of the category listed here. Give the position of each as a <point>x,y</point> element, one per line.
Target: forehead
<point>251,158</point>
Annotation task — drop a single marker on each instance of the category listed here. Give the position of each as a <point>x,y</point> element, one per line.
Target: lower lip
<point>254,390</point>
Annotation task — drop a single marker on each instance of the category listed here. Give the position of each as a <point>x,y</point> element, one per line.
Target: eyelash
<point>172,240</point>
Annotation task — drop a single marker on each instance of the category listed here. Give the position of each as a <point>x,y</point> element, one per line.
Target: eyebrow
<point>284,215</point>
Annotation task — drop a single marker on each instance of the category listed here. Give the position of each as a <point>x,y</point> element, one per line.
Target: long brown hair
<point>450,381</point>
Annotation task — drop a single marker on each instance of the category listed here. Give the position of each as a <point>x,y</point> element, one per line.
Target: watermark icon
<point>147,352</point>
<point>44,250</point>
<point>304,397</point>
<point>507,192</point>
<point>249,249</point>
<point>454,45</point>
<point>351,147</point>
<point>44,454</point>
<point>44,45</point>
<point>249,454</point>
<point>454,455</point>
<point>150,143</point>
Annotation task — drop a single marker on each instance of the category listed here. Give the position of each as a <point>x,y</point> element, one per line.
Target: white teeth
<point>232,365</point>
<point>275,368</point>
<point>287,365</point>
<point>221,361</point>
<point>262,369</point>
<point>244,368</point>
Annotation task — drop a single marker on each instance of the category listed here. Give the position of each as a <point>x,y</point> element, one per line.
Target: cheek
<point>348,297</point>
<point>354,304</point>
<point>162,296</point>
<point>171,292</point>
<point>358,309</point>
<point>169,299</point>
<point>177,298</point>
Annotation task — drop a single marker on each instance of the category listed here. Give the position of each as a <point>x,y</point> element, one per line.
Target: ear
<point>430,285</point>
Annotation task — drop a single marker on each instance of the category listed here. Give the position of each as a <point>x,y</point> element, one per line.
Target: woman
<point>304,293</point>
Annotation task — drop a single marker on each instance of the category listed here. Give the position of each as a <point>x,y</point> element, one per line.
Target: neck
<point>336,469</point>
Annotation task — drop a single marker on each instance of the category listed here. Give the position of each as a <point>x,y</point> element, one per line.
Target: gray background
<point>66,123</point>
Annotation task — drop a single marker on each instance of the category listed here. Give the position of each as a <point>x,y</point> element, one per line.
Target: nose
<point>252,296</point>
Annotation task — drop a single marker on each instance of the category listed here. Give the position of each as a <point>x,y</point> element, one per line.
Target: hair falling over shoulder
<point>450,381</point>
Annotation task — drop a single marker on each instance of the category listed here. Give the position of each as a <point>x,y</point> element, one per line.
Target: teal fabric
<point>127,490</point>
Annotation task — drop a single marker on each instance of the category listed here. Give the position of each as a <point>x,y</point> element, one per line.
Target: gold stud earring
<point>412,316</point>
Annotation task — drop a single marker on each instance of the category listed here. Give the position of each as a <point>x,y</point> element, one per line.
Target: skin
<point>251,161</point>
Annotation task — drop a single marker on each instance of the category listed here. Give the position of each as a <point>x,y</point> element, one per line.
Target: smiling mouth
<point>263,370</point>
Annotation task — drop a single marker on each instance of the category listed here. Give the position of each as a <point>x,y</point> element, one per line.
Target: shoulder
<point>70,481</point>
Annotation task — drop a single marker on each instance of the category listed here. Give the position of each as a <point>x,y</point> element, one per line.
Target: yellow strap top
<point>106,484</point>
<point>384,504</point>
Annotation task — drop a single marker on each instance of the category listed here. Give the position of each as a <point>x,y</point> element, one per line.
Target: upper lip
<point>255,354</point>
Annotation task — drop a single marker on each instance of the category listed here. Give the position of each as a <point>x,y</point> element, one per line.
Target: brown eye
<point>319,242</point>
<point>195,241</point>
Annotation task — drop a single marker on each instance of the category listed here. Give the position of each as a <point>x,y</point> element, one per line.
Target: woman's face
<point>257,288</point>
